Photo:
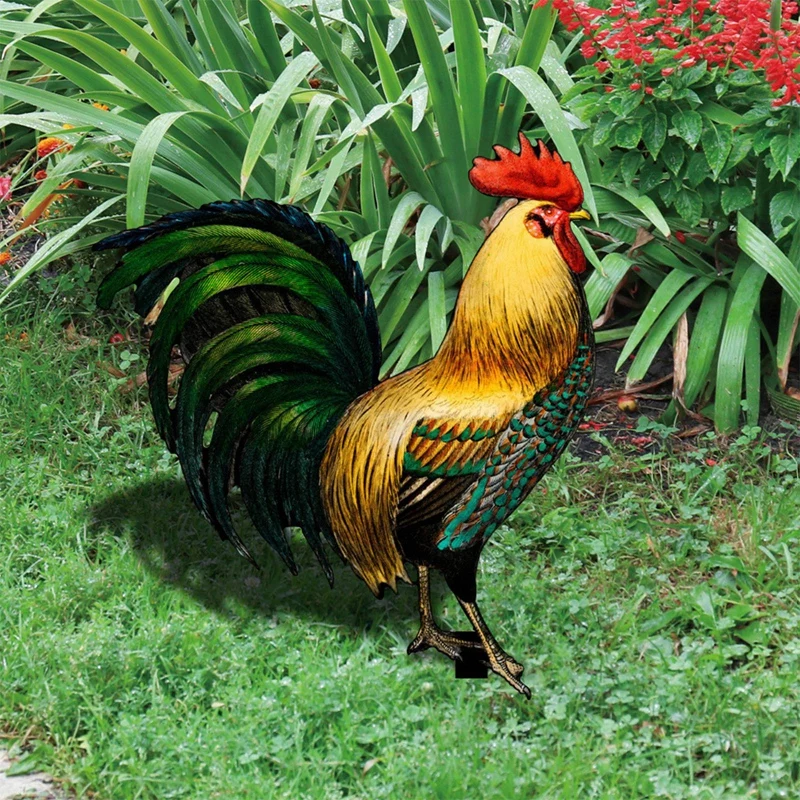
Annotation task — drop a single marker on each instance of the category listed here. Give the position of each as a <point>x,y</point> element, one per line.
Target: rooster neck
<point>518,317</point>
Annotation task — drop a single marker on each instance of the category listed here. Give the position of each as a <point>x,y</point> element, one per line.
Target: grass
<point>652,598</point>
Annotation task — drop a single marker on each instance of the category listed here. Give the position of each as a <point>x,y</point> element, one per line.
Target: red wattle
<point>568,245</point>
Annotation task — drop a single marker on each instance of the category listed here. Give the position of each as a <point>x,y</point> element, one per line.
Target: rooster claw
<point>433,637</point>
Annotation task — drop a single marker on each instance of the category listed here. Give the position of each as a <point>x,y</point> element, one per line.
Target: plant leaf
<point>408,204</point>
<point>425,224</point>
<point>669,287</point>
<point>654,132</point>
<point>689,125</point>
<point>767,255</point>
<point>144,152</point>
<point>437,311</point>
<point>730,365</point>
<point>272,104</point>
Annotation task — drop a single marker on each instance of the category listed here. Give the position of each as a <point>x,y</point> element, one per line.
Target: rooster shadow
<point>176,545</point>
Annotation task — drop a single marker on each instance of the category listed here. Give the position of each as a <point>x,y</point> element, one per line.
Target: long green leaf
<point>766,253</point>
<point>422,233</point>
<point>389,80</point>
<point>705,337</point>
<point>272,104</point>
<point>645,205</point>
<point>408,204</point>
<point>732,350</point>
<point>334,171</point>
<point>81,114</point>
<point>315,115</point>
<point>168,32</point>
<point>141,163</point>
<point>752,372</point>
<point>442,92</point>
<point>266,37</point>
<point>471,71</point>
<point>537,33</point>
<point>437,311</point>
<point>333,57</point>
<point>603,282</point>
<point>670,286</point>
<point>167,64</point>
<point>663,325</point>
<point>789,317</point>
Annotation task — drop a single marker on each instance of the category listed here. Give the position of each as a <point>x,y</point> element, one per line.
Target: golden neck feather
<point>517,319</point>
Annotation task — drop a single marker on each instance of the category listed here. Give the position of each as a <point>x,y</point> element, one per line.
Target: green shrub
<point>713,147</point>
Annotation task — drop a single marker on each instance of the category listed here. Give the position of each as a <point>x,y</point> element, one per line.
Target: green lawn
<point>652,598</point>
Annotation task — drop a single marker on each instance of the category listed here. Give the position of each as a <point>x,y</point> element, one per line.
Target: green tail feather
<point>284,337</point>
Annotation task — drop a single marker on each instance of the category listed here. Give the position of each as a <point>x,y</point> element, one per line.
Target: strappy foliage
<point>368,113</point>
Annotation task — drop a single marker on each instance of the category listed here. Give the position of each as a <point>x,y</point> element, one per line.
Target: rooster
<point>280,337</point>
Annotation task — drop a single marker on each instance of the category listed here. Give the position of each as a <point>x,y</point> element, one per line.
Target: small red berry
<point>116,338</point>
<point>634,87</point>
<point>680,236</point>
<point>648,90</point>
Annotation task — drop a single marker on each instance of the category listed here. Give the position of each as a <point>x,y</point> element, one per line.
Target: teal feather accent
<point>280,334</point>
<point>533,441</point>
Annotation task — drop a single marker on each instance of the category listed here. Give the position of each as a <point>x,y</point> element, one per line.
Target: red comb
<point>531,175</point>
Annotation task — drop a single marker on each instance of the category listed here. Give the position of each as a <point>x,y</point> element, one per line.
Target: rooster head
<point>549,187</point>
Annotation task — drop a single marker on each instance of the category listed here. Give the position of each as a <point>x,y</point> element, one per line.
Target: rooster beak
<point>582,214</point>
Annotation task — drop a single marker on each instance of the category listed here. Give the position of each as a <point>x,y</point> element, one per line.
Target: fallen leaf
<point>77,340</point>
<point>152,316</point>
<point>110,369</point>
<point>368,765</point>
<point>642,238</point>
<point>680,353</point>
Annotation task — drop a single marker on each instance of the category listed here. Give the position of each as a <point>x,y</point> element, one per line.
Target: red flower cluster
<point>723,33</point>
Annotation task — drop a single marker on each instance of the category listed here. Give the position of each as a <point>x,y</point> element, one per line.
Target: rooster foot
<point>514,667</point>
<point>508,669</point>
<point>431,636</point>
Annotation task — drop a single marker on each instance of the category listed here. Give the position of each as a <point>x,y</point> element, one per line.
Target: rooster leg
<point>499,661</point>
<point>430,634</point>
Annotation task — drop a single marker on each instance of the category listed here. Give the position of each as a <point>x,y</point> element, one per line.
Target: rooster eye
<point>537,223</point>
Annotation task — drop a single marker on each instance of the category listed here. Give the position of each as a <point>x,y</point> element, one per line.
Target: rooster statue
<point>280,337</point>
